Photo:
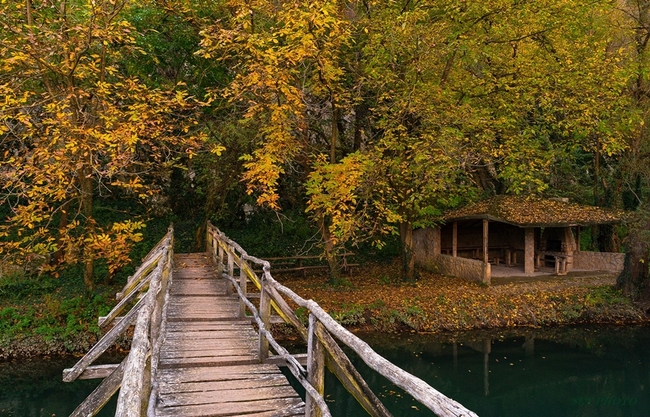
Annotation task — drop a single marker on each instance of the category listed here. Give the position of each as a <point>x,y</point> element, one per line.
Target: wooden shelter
<point>517,231</point>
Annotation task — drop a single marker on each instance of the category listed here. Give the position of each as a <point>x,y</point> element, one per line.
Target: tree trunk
<point>58,256</point>
<point>331,255</point>
<point>86,184</point>
<point>634,281</point>
<point>408,258</point>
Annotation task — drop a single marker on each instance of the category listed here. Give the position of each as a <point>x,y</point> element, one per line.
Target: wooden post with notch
<point>219,258</point>
<point>265,316</point>
<point>231,270</point>
<point>243,281</point>
<point>315,367</point>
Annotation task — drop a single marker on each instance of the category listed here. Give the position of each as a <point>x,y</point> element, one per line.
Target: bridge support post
<point>315,367</point>
<point>265,316</point>
<point>219,260</point>
<point>243,281</point>
<point>231,270</point>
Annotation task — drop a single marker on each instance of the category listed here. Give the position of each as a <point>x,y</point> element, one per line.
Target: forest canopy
<point>368,117</point>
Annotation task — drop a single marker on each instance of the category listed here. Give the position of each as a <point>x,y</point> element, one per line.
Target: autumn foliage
<point>75,126</point>
<point>370,117</point>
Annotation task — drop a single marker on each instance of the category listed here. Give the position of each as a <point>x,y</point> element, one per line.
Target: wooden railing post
<point>219,260</point>
<point>315,367</point>
<point>243,282</point>
<point>231,269</point>
<point>265,316</point>
<point>209,240</point>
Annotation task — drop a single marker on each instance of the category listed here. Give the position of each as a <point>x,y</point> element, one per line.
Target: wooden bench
<point>507,255</point>
<point>558,260</point>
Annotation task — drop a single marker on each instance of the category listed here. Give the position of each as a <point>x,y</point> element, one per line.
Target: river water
<point>34,388</point>
<point>567,371</point>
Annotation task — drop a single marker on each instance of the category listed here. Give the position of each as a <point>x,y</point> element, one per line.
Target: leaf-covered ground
<point>373,297</point>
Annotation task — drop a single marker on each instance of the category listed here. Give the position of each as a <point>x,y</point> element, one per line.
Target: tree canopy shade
<point>373,116</point>
<point>431,102</point>
<point>74,126</point>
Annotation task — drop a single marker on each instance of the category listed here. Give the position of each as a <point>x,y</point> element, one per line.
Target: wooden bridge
<point>202,347</point>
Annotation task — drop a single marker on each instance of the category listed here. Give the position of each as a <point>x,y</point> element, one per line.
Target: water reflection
<point>572,372</point>
<point>582,372</point>
<point>34,388</point>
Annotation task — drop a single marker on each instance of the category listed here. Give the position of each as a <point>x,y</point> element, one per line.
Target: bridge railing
<point>133,375</point>
<point>321,335</point>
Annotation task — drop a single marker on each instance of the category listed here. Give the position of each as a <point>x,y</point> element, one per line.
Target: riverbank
<point>50,321</point>
<point>373,298</point>
<point>51,316</point>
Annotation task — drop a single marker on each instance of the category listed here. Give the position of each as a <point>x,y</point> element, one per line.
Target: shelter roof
<point>535,212</point>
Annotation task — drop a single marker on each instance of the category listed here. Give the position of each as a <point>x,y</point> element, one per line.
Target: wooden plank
<point>210,335</point>
<point>233,384</point>
<point>204,353</point>
<point>234,408</point>
<point>216,342</point>
<point>226,394</point>
<point>209,373</point>
<point>209,361</point>
<point>206,329</point>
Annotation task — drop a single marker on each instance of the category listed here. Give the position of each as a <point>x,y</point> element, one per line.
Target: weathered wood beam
<point>341,366</point>
<point>102,321</point>
<point>296,369</point>
<point>337,362</point>
<point>95,371</point>
<point>440,404</point>
<point>159,327</point>
<point>243,281</point>
<point>420,390</point>
<point>119,307</point>
<point>104,343</point>
<point>315,368</point>
<point>130,400</point>
<point>102,394</point>
<point>142,272</point>
<point>265,314</point>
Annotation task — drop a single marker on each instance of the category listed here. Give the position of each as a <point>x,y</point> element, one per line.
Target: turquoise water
<point>33,388</point>
<point>577,372</point>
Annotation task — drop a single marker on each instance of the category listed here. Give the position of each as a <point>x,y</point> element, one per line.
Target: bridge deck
<point>208,362</point>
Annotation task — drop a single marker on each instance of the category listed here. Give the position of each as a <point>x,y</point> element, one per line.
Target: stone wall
<point>599,261</point>
<point>426,243</point>
<point>469,269</point>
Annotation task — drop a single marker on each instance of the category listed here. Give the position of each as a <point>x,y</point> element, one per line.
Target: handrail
<point>133,379</point>
<point>321,345</point>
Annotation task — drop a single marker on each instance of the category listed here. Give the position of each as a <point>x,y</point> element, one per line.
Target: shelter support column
<point>485,241</point>
<point>437,240</point>
<point>454,240</point>
<point>529,251</point>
